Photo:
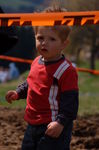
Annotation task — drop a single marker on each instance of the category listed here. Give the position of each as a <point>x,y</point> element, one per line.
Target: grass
<point>85,64</point>
<point>11,85</point>
<point>89,91</point>
<point>88,104</point>
<point>88,95</point>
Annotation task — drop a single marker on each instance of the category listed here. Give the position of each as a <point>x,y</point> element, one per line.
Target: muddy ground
<point>12,127</point>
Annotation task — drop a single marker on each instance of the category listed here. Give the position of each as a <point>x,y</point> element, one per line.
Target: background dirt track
<point>12,127</point>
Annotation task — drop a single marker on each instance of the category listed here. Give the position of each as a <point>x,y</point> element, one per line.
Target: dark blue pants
<point>35,139</point>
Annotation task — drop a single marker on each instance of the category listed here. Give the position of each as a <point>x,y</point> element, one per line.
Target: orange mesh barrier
<point>14,59</point>
<point>95,72</point>
<point>50,19</point>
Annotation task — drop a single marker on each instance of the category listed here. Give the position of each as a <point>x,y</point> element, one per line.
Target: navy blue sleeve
<point>68,107</point>
<point>22,90</point>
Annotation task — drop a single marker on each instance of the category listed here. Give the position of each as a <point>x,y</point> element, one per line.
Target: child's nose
<point>44,42</point>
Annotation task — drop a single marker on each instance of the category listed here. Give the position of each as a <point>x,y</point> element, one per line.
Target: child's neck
<point>49,60</point>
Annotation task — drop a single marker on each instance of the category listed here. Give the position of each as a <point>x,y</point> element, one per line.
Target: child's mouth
<point>44,50</point>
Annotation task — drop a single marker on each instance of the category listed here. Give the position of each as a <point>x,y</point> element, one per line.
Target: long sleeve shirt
<point>52,92</point>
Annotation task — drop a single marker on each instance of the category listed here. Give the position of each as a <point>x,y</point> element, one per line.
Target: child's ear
<point>65,43</point>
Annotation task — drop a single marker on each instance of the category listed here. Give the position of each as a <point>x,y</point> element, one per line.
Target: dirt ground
<point>12,127</point>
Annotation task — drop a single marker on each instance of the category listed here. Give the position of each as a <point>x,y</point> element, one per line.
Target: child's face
<point>48,43</point>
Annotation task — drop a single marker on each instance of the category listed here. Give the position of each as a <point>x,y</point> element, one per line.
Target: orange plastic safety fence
<point>14,59</point>
<point>95,72</point>
<point>50,19</point>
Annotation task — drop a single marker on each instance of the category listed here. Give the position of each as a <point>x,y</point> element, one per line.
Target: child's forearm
<point>22,90</point>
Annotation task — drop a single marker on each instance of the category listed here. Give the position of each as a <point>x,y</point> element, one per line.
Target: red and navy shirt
<point>52,92</point>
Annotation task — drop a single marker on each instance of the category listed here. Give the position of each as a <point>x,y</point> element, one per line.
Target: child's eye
<point>52,39</point>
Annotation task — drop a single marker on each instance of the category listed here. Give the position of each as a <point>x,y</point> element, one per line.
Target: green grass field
<point>88,93</point>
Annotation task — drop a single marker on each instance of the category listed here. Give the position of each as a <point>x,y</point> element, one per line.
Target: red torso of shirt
<point>43,98</point>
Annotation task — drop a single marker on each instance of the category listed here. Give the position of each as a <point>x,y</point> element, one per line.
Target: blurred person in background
<point>7,39</point>
<point>13,72</point>
<point>3,74</point>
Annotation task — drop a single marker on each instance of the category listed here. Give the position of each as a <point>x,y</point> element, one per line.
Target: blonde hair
<point>61,30</point>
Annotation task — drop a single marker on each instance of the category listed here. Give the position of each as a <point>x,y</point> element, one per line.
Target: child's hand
<point>54,129</point>
<point>11,96</point>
